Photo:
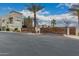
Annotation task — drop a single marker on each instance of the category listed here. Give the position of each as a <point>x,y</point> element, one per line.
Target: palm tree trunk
<point>35,22</point>
<point>53,25</point>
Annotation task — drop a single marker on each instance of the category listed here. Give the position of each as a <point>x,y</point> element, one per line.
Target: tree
<point>27,22</point>
<point>34,8</point>
<point>24,23</point>
<point>53,22</point>
<point>76,9</point>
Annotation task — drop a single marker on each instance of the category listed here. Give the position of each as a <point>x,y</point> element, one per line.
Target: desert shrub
<point>0,29</point>
<point>24,26</point>
<point>16,29</point>
<point>7,29</point>
<point>78,33</point>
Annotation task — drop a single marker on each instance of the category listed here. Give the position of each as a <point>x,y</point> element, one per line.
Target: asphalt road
<point>19,44</point>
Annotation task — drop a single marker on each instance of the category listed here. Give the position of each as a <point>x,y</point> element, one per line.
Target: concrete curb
<point>9,32</point>
<point>29,33</point>
<point>72,36</point>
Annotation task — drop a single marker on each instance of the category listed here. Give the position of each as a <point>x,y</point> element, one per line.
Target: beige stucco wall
<point>17,21</point>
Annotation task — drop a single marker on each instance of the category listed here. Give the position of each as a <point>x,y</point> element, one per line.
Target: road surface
<point>20,44</point>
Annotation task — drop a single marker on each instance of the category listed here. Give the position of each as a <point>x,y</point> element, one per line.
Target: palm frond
<point>34,7</point>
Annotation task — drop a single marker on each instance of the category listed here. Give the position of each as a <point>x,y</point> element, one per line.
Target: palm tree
<point>53,22</point>
<point>29,22</point>
<point>34,8</point>
<point>77,14</point>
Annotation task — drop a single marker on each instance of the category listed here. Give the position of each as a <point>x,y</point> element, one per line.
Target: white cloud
<point>27,13</point>
<point>71,4</point>
<point>47,19</point>
<point>67,17</point>
<point>43,12</point>
<point>6,8</point>
<point>9,8</point>
<point>40,15</point>
<point>61,5</point>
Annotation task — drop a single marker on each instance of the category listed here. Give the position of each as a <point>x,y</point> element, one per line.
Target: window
<point>11,20</point>
<point>3,20</point>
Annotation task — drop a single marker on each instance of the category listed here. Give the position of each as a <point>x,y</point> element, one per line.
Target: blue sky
<point>52,8</point>
<point>50,11</point>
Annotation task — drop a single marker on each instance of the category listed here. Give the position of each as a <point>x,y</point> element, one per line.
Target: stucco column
<point>68,31</point>
<point>77,29</point>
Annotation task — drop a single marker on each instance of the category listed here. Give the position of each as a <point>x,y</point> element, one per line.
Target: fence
<point>28,30</point>
<point>55,30</point>
<point>72,31</point>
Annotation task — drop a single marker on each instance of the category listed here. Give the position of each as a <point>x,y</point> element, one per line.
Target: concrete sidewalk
<point>72,36</point>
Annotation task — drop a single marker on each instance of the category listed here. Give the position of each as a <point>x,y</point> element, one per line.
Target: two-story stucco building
<point>13,21</point>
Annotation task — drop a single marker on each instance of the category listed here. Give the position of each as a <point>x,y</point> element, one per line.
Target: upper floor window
<point>11,20</point>
<point>3,20</point>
